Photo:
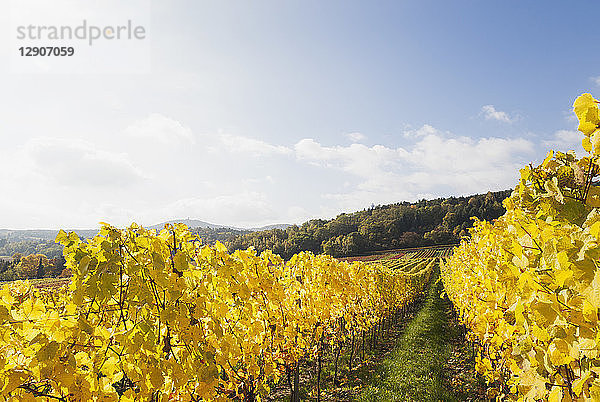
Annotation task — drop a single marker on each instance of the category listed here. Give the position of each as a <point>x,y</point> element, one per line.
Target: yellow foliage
<point>168,314</point>
<point>528,285</point>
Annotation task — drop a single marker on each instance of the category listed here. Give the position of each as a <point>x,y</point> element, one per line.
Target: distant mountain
<point>194,223</point>
<point>50,234</point>
<point>42,234</point>
<point>191,223</point>
<point>281,226</point>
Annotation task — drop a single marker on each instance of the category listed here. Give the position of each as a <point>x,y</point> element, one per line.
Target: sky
<point>264,112</point>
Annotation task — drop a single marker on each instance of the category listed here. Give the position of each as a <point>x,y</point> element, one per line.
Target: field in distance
<point>405,254</point>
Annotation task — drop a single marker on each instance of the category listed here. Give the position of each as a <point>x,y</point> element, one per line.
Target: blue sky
<point>255,113</point>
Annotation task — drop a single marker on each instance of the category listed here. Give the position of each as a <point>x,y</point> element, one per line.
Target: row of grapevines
<point>428,252</point>
<point>408,265</point>
<point>528,285</point>
<point>152,316</point>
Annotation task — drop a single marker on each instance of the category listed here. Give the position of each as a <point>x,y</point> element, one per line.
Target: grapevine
<point>527,286</point>
<point>160,316</point>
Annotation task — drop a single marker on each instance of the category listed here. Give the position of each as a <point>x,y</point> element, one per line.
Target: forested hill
<point>221,234</point>
<point>383,227</point>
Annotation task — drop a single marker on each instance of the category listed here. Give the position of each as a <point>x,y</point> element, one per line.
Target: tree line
<point>212,235</point>
<point>30,266</point>
<point>381,227</point>
<point>10,246</point>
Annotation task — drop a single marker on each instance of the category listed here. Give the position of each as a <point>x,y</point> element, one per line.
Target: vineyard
<point>405,254</point>
<point>160,316</point>
<point>410,260</point>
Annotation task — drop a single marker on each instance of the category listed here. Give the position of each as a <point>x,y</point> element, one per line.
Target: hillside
<point>191,223</point>
<point>382,227</point>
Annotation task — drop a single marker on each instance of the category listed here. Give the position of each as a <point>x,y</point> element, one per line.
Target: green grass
<point>423,358</point>
<point>416,369</point>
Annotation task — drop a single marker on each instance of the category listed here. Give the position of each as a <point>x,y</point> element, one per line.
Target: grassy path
<point>429,362</point>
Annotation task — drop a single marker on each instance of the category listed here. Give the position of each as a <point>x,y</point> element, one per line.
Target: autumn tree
<point>33,266</point>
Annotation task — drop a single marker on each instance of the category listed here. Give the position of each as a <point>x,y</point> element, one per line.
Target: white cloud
<point>92,183</point>
<point>356,158</point>
<point>356,137</point>
<point>253,181</point>
<point>463,154</point>
<point>565,140</point>
<point>420,132</point>
<point>249,146</point>
<point>490,113</point>
<point>80,163</point>
<point>160,128</point>
<point>435,165</point>
<point>595,80</point>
